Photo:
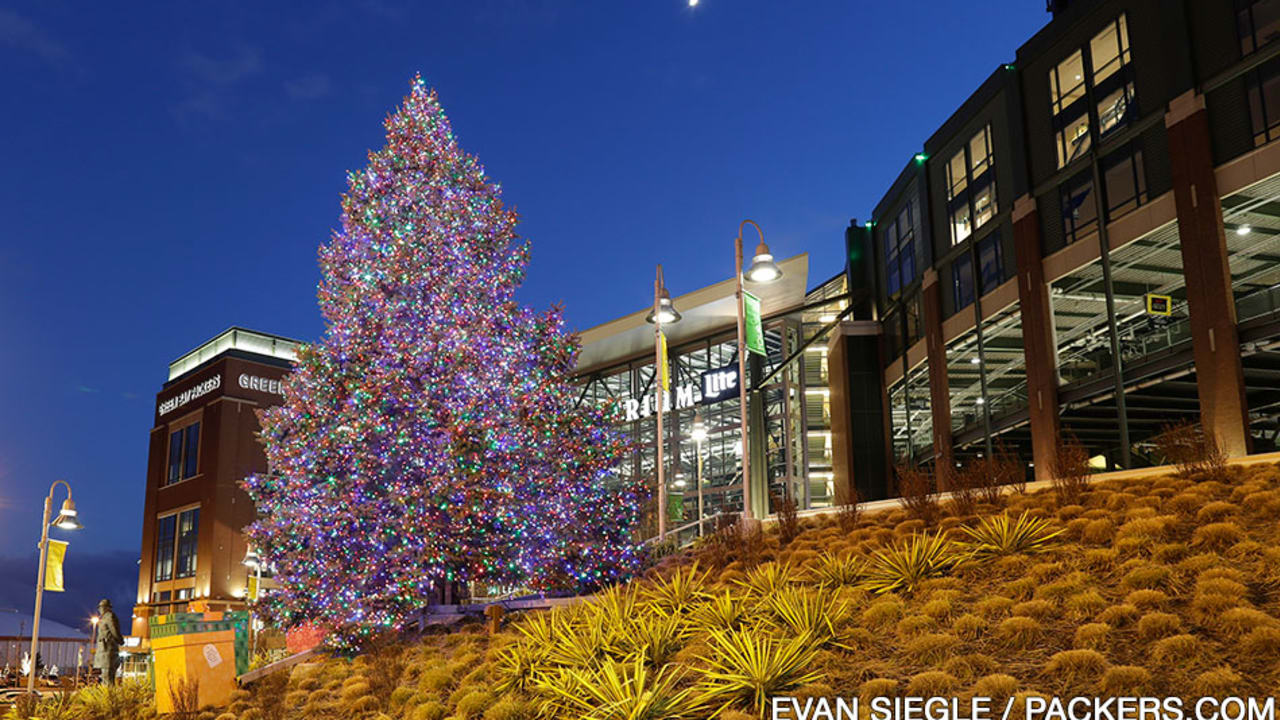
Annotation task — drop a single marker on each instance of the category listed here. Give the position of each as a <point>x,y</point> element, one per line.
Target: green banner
<point>755,331</point>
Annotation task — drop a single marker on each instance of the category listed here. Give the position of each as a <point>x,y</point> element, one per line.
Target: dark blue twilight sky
<point>169,171</point>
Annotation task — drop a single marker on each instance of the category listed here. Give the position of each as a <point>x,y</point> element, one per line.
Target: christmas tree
<point>432,435</point>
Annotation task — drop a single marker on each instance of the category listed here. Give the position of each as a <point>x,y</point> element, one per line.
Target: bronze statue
<point>106,656</point>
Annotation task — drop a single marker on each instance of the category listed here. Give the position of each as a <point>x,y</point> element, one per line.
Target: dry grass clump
<point>1217,536</point>
<point>1092,636</point>
<point>878,687</point>
<point>1176,650</point>
<point>931,648</point>
<point>1120,615</point>
<point>933,683</point>
<point>968,626</point>
<point>1019,632</point>
<point>1262,644</point>
<point>967,666</point>
<point>998,687</point>
<point>1147,599</point>
<point>1221,682</point>
<point>1157,625</point>
<point>1125,680</point>
<point>1077,669</point>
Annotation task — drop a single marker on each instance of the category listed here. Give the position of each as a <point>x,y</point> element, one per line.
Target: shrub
<point>1077,667</point>
<point>628,690</point>
<point>1176,650</point>
<point>1262,644</point>
<point>968,626</point>
<point>882,612</point>
<point>1091,636</point>
<point>1019,632</point>
<point>847,507</point>
<point>1120,615</point>
<point>918,491</point>
<point>1157,625</point>
<point>676,591</point>
<point>1147,577</point>
<point>1125,680</point>
<point>507,710</point>
<point>996,687</point>
<point>1098,532</point>
<point>808,615</point>
<point>748,667</point>
<point>904,566</point>
<point>1070,470</point>
<point>965,484</point>
<point>1221,682</point>
<point>1242,621</point>
<point>1085,604</point>
<point>878,687</point>
<point>967,666</point>
<point>1192,449</point>
<point>788,523</point>
<point>913,625</point>
<point>1215,511</point>
<point>834,570</point>
<point>768,579</point>
<point>933,683</point>
<point>720,612</point>
<point>998,536</point>
<point>439,679</point>
<point>1217,536</point>
<point>930,649</point>
<point>993,606</point>
<point>1147,599</point>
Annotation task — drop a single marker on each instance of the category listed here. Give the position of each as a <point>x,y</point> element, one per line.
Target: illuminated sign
<point>719,384</point>
<point>192,393</point>
<point>261,384</point>
<point>1159,305</point>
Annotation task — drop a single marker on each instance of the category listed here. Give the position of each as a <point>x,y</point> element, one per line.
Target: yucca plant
<point>582,644</point>
<point>767,579</point>
<point>677,592</point>
<point>903,566</point>
<point>517,665</point>
<point>999,535</point>
<point>805,614</point>
<point>834,570</point>
<point>540,629</point>
<point>720,612</point>
<point>654,637</point>
<point>619,691</point>
<point>748,667</point>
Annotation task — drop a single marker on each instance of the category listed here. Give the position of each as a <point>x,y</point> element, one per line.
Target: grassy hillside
<point>1162,586</point>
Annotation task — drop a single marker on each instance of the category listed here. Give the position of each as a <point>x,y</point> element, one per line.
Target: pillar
<point>860,439</point>
<point>939,389</point>
<point>1037,337</point>
<point>1224,409</point>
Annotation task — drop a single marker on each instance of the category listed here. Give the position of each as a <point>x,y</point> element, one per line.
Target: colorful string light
<point>432,435</point>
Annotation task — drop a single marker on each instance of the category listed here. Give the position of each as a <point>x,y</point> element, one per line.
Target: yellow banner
<point>53,566</point>
<point>664,372</point>
<point>253,588</point>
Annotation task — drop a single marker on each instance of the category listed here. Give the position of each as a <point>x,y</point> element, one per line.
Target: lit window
<point>176,537</point>
<point>1101,71</point>
<point>166,529</point>
<point>971,186</point>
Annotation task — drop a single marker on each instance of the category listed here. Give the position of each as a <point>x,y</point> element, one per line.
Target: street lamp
<point>67,520</point>
<point>664,311</point>
<point>699,435</point>
<point>763,270</point>
<point>254,562</point>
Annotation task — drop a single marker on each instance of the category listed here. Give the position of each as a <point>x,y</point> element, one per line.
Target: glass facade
<point>790,412</point>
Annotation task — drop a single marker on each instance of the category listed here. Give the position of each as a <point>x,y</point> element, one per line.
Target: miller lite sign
<point>719,384</point>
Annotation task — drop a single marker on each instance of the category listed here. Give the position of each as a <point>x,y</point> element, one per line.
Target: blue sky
<point>170,171</point>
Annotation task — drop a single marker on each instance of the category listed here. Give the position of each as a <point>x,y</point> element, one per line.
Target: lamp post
<point>254,563</point>
<point>699,434</point>
<point>67,521</point>
<point>763,270</point>
<point>664,311</point>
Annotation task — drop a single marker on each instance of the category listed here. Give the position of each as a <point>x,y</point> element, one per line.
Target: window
<point>1258,22</point>
<point>900,236</point>
<point>176,536</point>
<point>971,186</point>
<point>990,263</point>
<point>962,282</point>
<point>1079,213</point>
<point>1125,182</point>
<point>1100,70</point>
<point>1264,102</point>
<point>188,531</point>
<point>166,528</point>
<point>184,453</point>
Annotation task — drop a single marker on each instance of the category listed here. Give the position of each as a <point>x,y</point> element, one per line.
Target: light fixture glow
<point>699,433</point>
<point>974,360</point>
<point>1244,230</point>
<point>67,519</point>
<point>251,559</point>
<point>667,312</point>
<point>763,269</point>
